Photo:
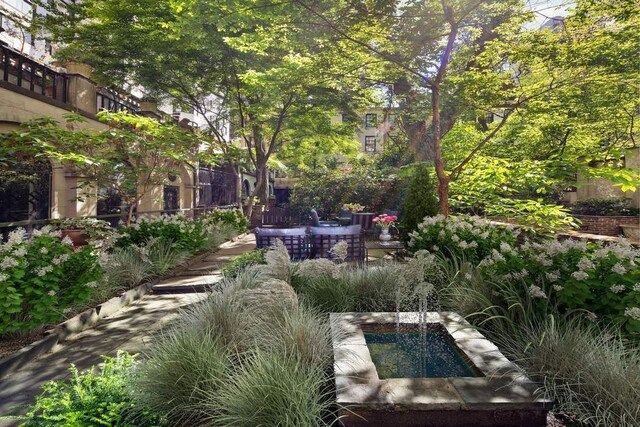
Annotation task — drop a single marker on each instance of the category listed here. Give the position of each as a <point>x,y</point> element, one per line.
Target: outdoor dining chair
<point>323,239</point>
<point>363,219</point>
<point>315,221</point>
<point>294,239</point>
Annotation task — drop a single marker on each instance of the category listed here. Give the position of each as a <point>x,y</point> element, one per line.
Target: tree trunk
<point>237,176</point>
<point>260,191</point>
<point>443,178</point>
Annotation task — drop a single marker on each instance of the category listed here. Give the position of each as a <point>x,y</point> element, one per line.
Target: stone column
<point>82,90</point>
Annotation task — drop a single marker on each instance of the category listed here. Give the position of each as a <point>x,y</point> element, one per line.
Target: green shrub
<point>328,192</point>
<point>604,207</point>
<point>93,398</point>
<point>185,233</point>
<point>420,201</point>
<point>232,217</point>
<point>272,390</point>
<point>242,262</point>
<point>41,277</point>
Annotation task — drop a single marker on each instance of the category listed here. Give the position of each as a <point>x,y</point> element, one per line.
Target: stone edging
<point>88,319</point>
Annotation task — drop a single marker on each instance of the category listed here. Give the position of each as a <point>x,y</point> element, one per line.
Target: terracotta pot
<point>78,236</point>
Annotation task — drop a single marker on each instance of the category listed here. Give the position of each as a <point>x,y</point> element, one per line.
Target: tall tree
<point>265,61</point>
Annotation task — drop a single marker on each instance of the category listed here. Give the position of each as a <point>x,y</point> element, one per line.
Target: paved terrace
<point>130,329</point>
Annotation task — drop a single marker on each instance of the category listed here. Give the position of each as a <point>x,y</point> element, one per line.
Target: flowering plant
<point>602,280</point>
<point>95,228</point>
<point>471,237</point>
<point>233,217</point>
<point>184,232</point>
<point>41,276</point>
<point>353,207</point>
<point>385,221</point>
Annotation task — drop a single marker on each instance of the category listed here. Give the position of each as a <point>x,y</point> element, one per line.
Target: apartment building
<point>374,126</point>
<point>33,85</point>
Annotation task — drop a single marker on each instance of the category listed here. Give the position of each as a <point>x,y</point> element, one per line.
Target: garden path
<point>129,329</point>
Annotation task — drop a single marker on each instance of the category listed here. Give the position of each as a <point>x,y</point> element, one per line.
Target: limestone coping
<point>502,386</point>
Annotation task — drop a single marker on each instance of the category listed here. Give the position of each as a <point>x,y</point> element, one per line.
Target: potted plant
<point>83,230</point>
<point>385,222</point>
<point>352,207</point>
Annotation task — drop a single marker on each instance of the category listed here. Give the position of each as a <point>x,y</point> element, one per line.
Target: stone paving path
<point>129,329</point>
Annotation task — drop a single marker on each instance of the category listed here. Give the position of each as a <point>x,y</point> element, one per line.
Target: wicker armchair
<point>324,238</point>
<point>294,239</point>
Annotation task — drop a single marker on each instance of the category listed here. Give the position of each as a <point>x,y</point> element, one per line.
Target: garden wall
<point>605,225</point>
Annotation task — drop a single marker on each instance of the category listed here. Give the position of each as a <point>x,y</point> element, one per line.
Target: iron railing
<point>114,101</point>
<point>28,74</point>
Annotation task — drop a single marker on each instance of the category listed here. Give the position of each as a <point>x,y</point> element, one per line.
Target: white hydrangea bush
<point>576,275</point>
<point>471,237</point>
<point>597,279</point>
<point>41,275</point>
<point>186,233</point>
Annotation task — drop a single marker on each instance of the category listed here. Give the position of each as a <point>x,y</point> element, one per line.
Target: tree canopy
<point>469,79</point>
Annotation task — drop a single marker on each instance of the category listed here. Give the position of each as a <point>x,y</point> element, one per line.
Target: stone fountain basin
<point>501,396</point>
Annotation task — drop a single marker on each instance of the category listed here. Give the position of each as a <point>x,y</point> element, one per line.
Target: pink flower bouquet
<point>385,221</point>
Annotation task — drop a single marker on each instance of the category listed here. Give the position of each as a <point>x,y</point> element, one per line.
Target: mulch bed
<point>14,342</point>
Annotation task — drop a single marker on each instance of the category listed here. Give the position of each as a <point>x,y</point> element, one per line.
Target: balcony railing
<point>28,74</point>
<point>111,100</point>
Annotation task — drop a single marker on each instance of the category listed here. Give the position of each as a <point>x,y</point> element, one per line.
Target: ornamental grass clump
<point>41,277</point>
<point>272,390</point>
<point>186,367</point>
<point>248,355</point>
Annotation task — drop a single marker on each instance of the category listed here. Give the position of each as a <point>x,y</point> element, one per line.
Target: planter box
<point>606,225</point>
<point>631,232</point>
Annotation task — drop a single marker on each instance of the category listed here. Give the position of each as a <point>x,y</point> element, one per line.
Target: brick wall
<point>606,225</point>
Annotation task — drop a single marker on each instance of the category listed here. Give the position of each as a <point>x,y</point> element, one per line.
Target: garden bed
<point>15,353</point>
<point>48,281</point>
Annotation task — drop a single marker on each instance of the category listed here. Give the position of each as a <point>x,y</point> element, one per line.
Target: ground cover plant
<point>95,397</point>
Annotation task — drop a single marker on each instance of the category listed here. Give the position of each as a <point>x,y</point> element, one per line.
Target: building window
<point>370,144</point>
<point>391,119</point>
<point>370,120</point>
